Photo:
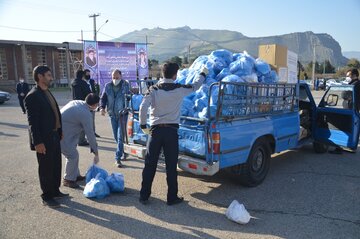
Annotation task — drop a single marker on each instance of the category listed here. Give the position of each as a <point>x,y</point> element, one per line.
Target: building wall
<point>12,62</point>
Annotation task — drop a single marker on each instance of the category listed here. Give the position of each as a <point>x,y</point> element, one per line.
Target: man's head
<point>169,70</point>
<point>87,74</point>
<point>116,77</point>
<point>354,74</point>
<point>91,54</point>
<point>42,75</point>
<point>92,100</point>
<point>79,74</point>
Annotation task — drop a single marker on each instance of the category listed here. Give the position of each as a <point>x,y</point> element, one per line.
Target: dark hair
<point>169,69</point>
<point>86,70</point>
<point>79,74</point>
<point>92,99</point>
<point>117,70</point>
<point>39,70</point>
<point>355,72</point>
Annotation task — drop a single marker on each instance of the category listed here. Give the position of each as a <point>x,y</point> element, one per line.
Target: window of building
<point>41,56</point>
<point>62,64</point>
<point>29,63</point>
<point>3,65</point>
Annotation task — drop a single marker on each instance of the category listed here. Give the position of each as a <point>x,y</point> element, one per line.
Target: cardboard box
<point>283,61</point>
<point>274,55</point>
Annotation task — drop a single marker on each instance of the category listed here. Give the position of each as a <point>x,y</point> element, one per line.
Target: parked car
<point>4,96</point>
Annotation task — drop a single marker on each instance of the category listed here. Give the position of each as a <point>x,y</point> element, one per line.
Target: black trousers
<point>21,102</point>
<point>50,167</point>
<point>165,138</point>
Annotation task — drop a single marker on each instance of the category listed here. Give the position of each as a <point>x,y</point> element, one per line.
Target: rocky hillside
<point>165,43</point>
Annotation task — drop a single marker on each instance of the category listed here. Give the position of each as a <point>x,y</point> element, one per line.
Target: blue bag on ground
<point>136,101</point>
<point>116,182</point>
<point>93,171</point>
<point>96,188</point>
<point>262,67</point>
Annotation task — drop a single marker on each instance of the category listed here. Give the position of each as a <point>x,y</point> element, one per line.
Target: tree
<point>176,59</point>
<point>328,67</point>
<point>353,63</point>
<point>152,63</point>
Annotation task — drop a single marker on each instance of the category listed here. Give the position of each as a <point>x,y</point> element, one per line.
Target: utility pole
<point>188,56</point>
<point>313,64</point>
<point>94,18</point>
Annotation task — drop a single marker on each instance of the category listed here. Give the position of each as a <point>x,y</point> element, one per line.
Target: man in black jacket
<point>94,89</point>
<point>80,89</point>
<point>45,130</point>
<point>22,88</point>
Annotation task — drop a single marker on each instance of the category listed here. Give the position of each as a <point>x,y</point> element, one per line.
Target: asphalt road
<point>305,195</point>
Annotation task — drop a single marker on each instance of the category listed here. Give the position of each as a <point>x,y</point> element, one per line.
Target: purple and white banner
<point>104,57</point>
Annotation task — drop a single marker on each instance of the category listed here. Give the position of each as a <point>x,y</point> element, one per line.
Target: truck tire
<point>254,171</point>
<point>320,148</point>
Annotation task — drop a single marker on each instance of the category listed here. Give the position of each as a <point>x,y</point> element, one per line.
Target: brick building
<point>18,59</point>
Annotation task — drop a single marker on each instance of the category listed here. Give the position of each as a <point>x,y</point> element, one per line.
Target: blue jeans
<point>115,124</point>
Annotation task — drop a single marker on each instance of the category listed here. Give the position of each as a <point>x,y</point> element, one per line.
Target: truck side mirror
<point>332,100</point>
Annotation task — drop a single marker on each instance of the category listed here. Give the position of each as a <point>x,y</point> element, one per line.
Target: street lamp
<point>102,25</point>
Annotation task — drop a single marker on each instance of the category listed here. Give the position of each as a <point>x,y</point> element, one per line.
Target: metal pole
<point>94,19</point>
<point>313,65</point>
<point>67,63</point>
<point>24,59</point>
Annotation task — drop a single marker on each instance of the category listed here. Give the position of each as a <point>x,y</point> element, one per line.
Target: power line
<point>37,30</point>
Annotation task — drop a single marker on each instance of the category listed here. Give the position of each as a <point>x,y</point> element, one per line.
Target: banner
<point>90,58</point>
<point>104,57</point>
<point>142,61</point>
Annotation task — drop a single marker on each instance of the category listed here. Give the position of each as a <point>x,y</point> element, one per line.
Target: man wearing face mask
<point>77,117</point>
<point>113,101</point>
<point>92,86</point>
<point>22,88</point>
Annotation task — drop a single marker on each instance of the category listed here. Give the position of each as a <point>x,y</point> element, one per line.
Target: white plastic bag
<point>236,212</point>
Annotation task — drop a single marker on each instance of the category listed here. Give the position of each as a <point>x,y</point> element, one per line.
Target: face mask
<point>87,77</point>
<point>21,81</point>
<point>116,82</point>
<point>348,78</point>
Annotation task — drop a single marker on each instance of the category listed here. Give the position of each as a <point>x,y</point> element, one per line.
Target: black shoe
<point>119,164</point>
<point>336,151</point>
<point>80,178</point>
<point>70,184</point>
<point>51,203</point>
<point>176,201</point>
<point>97,136</point>
<point>83,143</point>
<point>61,195</point>
<point>144,201</point>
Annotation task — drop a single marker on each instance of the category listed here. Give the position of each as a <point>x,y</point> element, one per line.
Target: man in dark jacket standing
<point>45,134</point>
<point>94,89</point>
<point>80,89</point>
<point>22,88</point>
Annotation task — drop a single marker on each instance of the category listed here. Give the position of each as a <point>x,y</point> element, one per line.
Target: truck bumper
<point>197,166</point>
<point>135,150</point>
<point>186,163</point>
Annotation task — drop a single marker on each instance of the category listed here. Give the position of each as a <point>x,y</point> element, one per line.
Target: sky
<point>60,21</point>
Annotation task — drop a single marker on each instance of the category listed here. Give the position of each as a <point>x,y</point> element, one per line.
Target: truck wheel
<point>254,171</point>
<point>320,148</point>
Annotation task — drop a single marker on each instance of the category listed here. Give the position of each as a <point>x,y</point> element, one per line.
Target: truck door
<point>337,120</point>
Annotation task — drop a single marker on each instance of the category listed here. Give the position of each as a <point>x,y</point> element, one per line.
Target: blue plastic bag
<point>187,107</point>
<point>136,101</point>
<point>96,188</point>
<point>116,182</point>
<point>226,55</point>
<point>262,67</point>
<point>225,72</point>
<point>93,171</point>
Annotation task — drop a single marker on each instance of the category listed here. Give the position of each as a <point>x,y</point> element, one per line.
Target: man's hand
<point>204,70</point>
<point>144,129</point>
<point>102,111</point>
<point>40,149</point>
<point>96,159</point>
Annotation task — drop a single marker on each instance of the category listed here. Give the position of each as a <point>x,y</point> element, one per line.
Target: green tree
<point>152,63</point>
<point>328,67</point>
<point>176,59</point>
<point>353,63</point>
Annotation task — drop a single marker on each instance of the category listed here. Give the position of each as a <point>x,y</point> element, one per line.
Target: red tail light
<point>216,142</point>
<point>130,124</point>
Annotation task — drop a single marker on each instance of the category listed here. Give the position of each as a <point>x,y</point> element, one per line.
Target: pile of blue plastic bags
<point>224,66</point>
<point>99,183</point>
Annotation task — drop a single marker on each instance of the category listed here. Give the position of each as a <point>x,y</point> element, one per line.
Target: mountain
<point>352,54</point>
<point>166,43</point>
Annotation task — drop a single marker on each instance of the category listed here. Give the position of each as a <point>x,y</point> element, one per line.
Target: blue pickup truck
<point>250,122</point>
